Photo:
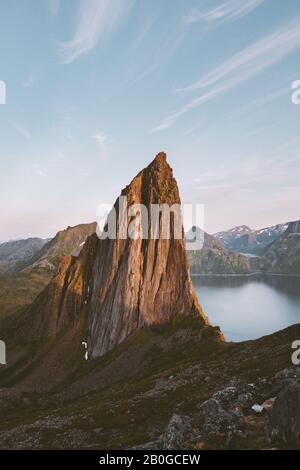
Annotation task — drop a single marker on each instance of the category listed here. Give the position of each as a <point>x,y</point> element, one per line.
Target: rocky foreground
<point>167,389</point>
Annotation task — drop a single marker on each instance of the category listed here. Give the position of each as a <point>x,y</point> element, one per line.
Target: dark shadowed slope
<point>32,274</point>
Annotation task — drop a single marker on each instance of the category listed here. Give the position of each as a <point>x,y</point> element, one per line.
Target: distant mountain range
<point>283,255</point>
<point>243,239</point>
<point>14,252</point>
<point>239,250</point>
<point>214,257</point>
<point>28,265</point>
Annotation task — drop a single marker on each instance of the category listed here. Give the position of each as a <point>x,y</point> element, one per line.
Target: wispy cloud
<point>240,67</point>
<point>228,10</point>
<point>145,73</point>
<point>96,19</point>
<point>260,102</point>
<point>162,55</point>
<point>21,130</point>
<point>54,7</point>
<point>169,120</point>
<point>28,83</point>
<point>39,171</point>
<point>102,141</point>
<point>192,129</point>
<point>252,173</point>
<point>145,29</point>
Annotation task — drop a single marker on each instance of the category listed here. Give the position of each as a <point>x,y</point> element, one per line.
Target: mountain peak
<point>161,157</point>
<point>159,163</point>
<point>155,184</point>
<point>119,285</point>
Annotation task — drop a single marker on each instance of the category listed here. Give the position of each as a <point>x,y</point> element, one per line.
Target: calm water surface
<point>249,307</point>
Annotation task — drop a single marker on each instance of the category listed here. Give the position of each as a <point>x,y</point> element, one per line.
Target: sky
<point>96,88</point>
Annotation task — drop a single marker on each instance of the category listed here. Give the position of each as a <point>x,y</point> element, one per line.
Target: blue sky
<point>95,88</point>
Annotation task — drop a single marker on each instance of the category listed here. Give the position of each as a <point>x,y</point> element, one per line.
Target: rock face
<point>34,263</point>
<point>176,432</point>
<point>222,412</point>
<point>284,423</point>
<point>123,284</point>
<point>138,283</point>
<point>61,304</point>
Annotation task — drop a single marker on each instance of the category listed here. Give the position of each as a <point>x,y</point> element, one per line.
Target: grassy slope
<point>19,290</point>
<point>127,397</point>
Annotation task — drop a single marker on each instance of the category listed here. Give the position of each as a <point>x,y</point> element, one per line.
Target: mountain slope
<point>66,242</point>
<point>12,253</point>
<point>215,258</point>
<point>130,397</point>
<point>18,289</point>
<point>283,255</point>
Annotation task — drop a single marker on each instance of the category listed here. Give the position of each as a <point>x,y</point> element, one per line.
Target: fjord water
<point>249,307</point>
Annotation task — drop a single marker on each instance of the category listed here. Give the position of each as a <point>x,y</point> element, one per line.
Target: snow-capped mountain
<point>246,240</point>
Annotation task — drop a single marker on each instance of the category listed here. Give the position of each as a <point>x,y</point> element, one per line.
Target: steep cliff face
<point>33,273</point>
<point>143,282</point>
<point>62,304</point>
<point>120,285</point>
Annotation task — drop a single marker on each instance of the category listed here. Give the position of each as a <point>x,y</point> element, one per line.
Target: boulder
<point>284,418</point>
<point>177,432</point>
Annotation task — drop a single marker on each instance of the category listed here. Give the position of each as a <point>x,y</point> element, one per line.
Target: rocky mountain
<point>245,240</point>
<point>161,377</point>
<point>66,242</point>
<point>15,252</point>
<point>215,258</point>
<point>283,255</point>
<point>118,286</point>
<point>32,274</point>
